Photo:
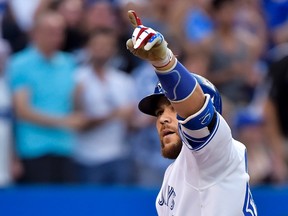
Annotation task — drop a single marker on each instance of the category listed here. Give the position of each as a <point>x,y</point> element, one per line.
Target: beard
<point>172,150</point>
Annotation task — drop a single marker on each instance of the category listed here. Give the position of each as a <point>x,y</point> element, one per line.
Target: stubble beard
<point>171,151</point>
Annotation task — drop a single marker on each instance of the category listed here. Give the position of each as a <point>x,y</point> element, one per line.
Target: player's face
<point>167,127</point>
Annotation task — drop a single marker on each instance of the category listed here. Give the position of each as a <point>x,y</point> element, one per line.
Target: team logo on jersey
<point>167,197</point>
<point>159,88</point>
<point>249,207</point>
<point>205,118</point>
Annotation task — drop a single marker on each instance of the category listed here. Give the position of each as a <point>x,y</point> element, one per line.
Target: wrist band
<point>200,119</point>
<point>163,63</point>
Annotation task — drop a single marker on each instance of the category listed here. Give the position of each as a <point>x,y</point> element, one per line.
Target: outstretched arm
<point>182,89</point>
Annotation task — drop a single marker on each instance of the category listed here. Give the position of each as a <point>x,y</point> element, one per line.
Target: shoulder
<point>83,73</point>
<point>18,64</point>
<point>21,58</point>
<point>120,73</point>
<point>121,76</point>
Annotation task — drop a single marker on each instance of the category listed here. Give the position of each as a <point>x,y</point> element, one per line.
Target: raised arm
<point>181,88</point>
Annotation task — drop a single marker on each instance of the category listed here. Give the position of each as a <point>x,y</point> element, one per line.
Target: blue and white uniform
<point>209,177</point>
<point>210,180</point>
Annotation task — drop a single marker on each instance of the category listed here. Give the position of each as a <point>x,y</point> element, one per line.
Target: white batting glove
<point>148,44</point>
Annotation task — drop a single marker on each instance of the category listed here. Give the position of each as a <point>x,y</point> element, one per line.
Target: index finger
<point>134,19</point>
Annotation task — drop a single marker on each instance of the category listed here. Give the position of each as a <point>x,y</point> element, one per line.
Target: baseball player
<point>209,175</point>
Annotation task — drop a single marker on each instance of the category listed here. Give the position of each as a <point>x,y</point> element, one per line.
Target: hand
<point>16,168</point>
<point>148,44</point>
<point>125,113</point>
<point>75,121</point>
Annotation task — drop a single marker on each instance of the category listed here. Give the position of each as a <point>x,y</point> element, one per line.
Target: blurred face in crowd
<point>167,127</point>
<point>72,11</point>
<point>225,14</point>
<point>102,46</point>
<point>100,14</point>
<point>48,32</point>
<point>161,4</point>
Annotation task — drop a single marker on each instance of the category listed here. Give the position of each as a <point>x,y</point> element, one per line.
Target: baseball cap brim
<point>148,105</point>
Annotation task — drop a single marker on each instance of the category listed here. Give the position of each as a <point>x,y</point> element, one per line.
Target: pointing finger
<point>134,19</point>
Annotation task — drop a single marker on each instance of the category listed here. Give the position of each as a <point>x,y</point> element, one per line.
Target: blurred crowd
<point>69,88</point>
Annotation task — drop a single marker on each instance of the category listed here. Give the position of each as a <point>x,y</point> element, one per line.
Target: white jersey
<point>101,99</point>
<point>209,181</point>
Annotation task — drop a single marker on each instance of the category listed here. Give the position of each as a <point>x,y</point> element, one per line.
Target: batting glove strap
<point>163,62</point>
<point>178,84</point>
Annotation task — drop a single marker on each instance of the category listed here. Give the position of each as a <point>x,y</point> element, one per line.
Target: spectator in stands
<point>229,54</point>
<point>10,167</point>
<point>192,26</point>
<point>230,66</point>
<point>276,118</point>
<point>276,16</point>
<point>250,23</point>
<point>249,124</point>
<point>72,11</point>
<point>107,96</point>
<point>24,12</point>
<point>41,79</point>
